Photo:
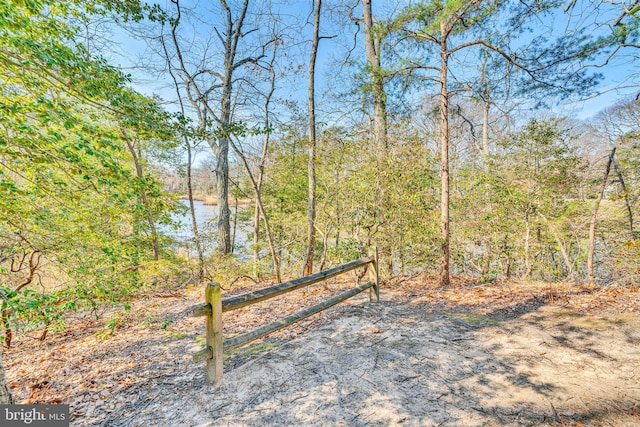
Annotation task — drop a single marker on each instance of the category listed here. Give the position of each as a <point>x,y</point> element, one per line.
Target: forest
<point>491,140</point>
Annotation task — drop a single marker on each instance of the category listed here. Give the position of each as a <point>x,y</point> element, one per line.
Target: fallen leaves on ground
<point>92,367</point>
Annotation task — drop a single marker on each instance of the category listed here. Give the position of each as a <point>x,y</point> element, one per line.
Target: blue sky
<point>621,75</point>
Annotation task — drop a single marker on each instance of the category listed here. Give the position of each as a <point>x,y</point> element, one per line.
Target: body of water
<point>206,218</point>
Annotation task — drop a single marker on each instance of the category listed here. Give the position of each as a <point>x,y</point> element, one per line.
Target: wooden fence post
<point>214,334</point>
<point>374,276</point>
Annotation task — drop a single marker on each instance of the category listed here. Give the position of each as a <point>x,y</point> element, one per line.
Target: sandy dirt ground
<point>502,354</point>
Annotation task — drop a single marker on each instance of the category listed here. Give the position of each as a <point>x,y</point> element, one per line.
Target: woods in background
<point>431,138</point>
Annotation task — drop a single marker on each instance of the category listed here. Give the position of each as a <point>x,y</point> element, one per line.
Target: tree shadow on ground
<point>393,363</point>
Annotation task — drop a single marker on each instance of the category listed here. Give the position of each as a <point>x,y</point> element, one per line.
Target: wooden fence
<point>215,306</point>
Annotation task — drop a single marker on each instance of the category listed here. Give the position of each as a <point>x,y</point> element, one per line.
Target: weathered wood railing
<point>215,306</point>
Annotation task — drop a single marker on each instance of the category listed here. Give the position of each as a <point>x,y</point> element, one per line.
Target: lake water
<point>206,218</point>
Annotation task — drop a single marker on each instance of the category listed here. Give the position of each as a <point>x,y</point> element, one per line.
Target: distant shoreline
<point>213,200</point>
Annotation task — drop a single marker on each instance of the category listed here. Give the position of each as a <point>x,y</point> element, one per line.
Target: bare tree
<point>257,183</point>
<point>594,216</point>
<point>188,146</point>
<point>311,203</point>
<point>619,125</point>
<point>201,81</point>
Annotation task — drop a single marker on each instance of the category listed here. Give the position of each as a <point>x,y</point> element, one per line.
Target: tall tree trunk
<point>187,144</point>
<point>192,208</point>
<point>199,98</point>
<point>627,204</point>
<point>325,247</point>
<point>311,204</point>
<point>270,241</point>
<point>260,208</point>
<point>485,134</point>
<point>591,277</point>
<point>507,272</point>
<point>233,35</point>
<point>261,166</point>
<point>222,190</point>
<point>486,259</point>
<point>5,394</point>
<point>256,242</point>
<point>372,48</point>
<point>527,248</point>
<point>444,159</point>
<point>222,164</point>
<point>485,165</point>
<point>380,128</point>
<point>235,222</point>
<point>486,106</point>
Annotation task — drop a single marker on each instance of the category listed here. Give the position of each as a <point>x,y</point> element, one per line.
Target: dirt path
<point>393,364</point>
<point>426,359</point>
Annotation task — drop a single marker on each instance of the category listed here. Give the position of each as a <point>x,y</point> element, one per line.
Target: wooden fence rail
<point>215,306</point>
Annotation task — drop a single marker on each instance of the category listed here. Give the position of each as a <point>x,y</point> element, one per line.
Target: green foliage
<point>427,17</point>
<point>511,210</point>
<point>364,198</point>
<point>227,269</point>
<point>626,261</point>
<point>285,193</point>
<point>75,229</point>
